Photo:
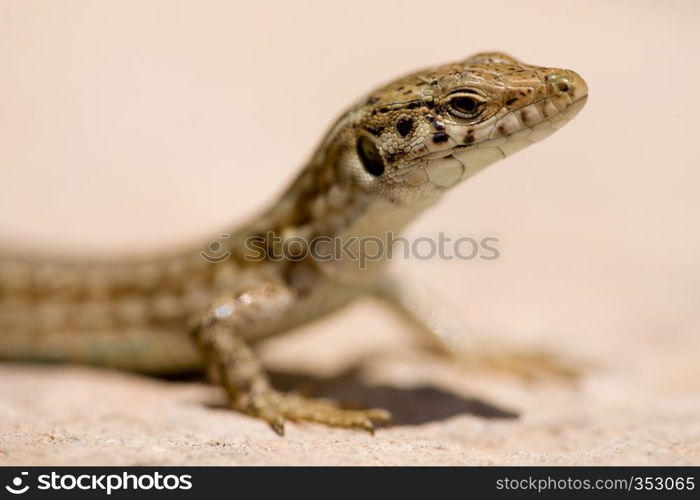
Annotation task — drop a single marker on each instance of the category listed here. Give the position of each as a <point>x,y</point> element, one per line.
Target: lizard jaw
<point>450,166</point>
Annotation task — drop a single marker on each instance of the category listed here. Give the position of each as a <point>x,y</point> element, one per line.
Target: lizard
<point>389,157</point>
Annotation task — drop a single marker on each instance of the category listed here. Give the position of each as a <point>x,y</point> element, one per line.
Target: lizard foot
<point>275,408</point>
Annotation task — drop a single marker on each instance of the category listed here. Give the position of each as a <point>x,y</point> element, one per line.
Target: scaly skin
<point>383,162</point>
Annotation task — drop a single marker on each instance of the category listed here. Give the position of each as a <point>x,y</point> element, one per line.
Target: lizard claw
<point>276,408</point>
<point>277,424</point>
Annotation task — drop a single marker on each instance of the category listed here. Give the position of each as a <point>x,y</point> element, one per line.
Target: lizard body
<point>388,158</point>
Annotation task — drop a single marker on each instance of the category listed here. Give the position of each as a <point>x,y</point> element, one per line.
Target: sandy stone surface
<point>130,126</point>
<point>622,412</point>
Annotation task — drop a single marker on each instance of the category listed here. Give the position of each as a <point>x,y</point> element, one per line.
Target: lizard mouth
<point>541,116</point>
<point>446,167</point>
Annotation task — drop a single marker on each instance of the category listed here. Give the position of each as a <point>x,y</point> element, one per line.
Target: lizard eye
<point>465,105</point>
<point>369,156</point>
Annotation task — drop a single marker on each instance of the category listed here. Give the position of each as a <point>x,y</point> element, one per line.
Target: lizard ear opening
<point>369,156</point>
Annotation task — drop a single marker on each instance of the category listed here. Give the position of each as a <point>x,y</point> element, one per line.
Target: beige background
<point>128,125</point>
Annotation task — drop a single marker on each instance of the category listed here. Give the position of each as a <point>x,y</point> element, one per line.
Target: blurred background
<point>134,125</point>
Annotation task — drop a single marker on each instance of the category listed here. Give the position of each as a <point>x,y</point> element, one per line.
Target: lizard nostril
<point>560,83</point>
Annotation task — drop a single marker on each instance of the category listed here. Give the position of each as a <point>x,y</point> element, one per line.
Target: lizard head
<point>422,134</point>
<point>395,152</point>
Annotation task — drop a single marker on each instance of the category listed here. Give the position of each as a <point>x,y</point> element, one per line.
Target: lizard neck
<point>326,199</point>
<point>326,205</point>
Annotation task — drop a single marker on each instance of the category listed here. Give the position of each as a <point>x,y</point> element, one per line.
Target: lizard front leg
<point>231,362</point>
